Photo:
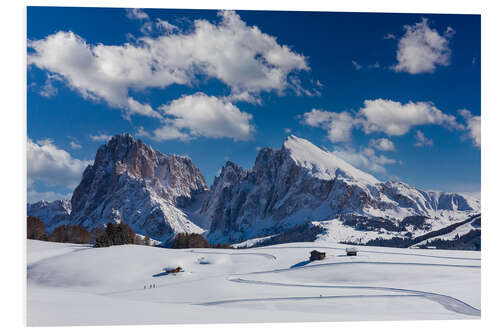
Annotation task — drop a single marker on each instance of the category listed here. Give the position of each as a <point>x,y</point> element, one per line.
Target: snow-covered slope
<point>131,182</point>
<point>323,164</point>
<point>453,235</point>
<point>301,183</point>
<point>53,214</point>
<point>78,285</point>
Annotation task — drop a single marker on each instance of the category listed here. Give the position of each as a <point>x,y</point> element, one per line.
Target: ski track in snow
<point>448,302</point>
<point>37,262</point>
<point>361,262</point>
<point>265,255</point>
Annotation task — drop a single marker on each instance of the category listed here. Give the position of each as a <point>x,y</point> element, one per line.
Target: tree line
<point>111,234</point>
<point>186,240</point>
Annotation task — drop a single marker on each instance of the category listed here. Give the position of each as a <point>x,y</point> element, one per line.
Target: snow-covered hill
<point>72,284</point>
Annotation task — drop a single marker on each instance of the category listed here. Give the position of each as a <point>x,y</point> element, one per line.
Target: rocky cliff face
<point>301,183</point>
<point>131,182</point>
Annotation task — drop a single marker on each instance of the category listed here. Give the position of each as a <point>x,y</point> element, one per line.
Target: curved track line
<point>301,298</point>
<point>448,302</point>
<point>265,255</point>
<point>361,262</point>
<point>36,263</point>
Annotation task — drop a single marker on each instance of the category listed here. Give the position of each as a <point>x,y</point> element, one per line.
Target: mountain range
<point>298,186</point>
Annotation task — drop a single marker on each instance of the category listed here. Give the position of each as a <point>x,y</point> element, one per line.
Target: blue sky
<point>397,95</point>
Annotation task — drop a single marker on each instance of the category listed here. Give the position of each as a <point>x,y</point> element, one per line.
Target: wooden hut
<point>351,251</point>
<point>316,255</point>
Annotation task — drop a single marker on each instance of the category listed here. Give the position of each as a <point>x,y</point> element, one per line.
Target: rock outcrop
<point>131,182</point>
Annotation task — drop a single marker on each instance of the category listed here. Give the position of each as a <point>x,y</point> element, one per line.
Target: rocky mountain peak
<point>230,174</point>
<point>130,181</point>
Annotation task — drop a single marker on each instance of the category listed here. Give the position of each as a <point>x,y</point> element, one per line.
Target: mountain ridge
<point>160,195</point>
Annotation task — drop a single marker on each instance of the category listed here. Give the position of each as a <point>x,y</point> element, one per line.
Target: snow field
<point>78,285</point>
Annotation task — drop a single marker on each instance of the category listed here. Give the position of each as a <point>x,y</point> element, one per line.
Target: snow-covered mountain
<point>301,183</point>
<point>160,195</point>
<point>131,182</point>
<point>53,214</point>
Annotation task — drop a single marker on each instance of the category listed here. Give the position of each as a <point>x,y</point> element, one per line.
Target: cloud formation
<point>422,140</point>
<point>365,159</point>
<point>136,14</point>
<point>338,125</point>
<point>380,115</point>
<point>473,126</point>
<point>53,165</point>
<point>383,144</point>
<point>422,48</point>
<point>75,145</point>
<point>100,137</point>
<point>242,57</point>
<point>395,118</point>
<point>201,115</point>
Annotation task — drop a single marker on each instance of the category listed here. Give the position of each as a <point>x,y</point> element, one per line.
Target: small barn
<point>316,255</point>
<point>351,251</point>
<point>172,270</point>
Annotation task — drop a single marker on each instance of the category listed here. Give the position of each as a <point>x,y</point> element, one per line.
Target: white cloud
<point>375,65</point>
<point>242,57</point>
<point>200,115</point>
<point>390,36</point>
<point>338,125</point>
<point>159,26</point>
<point>52,165</point>
<point>48,90</point>
<point>422,140</point>
<point>473,126</point>
<point>365,159</point>
<point>382,144</point>
<point>395,118</point>
<point>421,49</point>
<point>287,131</point>
<point>166,26</point>
<point>296,85</point>
<point>136,14</point>
<point>380,115</point>
<point>164,133</point>
<point>75,145</point>
<point>34,196</point>
<point>356,65</point>
<point>100,137</point>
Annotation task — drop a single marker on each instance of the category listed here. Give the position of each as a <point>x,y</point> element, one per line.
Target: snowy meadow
<point>71,284</point>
